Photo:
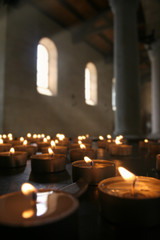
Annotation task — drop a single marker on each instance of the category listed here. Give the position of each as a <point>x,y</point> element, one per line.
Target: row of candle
<point>118,195</point>
<point>123,199</point>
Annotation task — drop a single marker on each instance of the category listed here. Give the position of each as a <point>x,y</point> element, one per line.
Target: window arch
<point>91,85</point>
<point>47,67</point>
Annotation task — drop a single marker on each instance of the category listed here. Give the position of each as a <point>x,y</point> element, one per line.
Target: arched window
<point>47,67</point>
<point>91,84</point>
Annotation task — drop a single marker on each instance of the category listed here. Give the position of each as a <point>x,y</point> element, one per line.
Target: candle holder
<point>4,147</point>
<point>41,145</point>
<point>77,145</point>
<point>11,160</point>
<point>93,172</point>
<point>30,149</point>
<point>120,204</point>
<point>56,149</point>
<point>79,153</point>
<point>48,163</point>
<point>120,149</point>
<point>51,211</point>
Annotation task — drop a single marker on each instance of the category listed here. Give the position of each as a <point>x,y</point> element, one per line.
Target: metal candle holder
<point>120,204</point>
<point>92,173</point>
<point>48,163</point>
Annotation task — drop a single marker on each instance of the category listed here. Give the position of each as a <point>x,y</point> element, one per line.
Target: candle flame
<point>109,136</point>
<point>48,137</point>
<point>146,140</point>
<point>126,175</point>
<point>12,150</point>
<point>34,135</point>
<point>28,135</point>
<point>27,189</point>
<point>21,139</point>
<point>53,144</point>
<point>101,138</point>
<point>82,146</point>
<point>50,151</point>
<point>60,136</point>
<point>45,140</point>
<point>118,139</point>
<point>79,142</point>
<point>87,159</point>
<point>25,142</point>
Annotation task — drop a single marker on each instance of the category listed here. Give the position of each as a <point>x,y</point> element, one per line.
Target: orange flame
<point>25,142</point>
<point>82,146</point>
<point>126,175</point>
<point>53,144</point>
<point>87,159</point>
<point>50,151</point>
<point>27,189</point>
<point>12,150</point>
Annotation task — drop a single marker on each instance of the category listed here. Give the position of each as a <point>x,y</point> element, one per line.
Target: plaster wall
<point>25,110</point>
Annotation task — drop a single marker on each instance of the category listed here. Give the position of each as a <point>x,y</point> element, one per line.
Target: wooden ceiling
<point>90,21</point>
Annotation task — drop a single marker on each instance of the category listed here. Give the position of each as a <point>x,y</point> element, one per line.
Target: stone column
<point>3,27</point>
<point>126,68</point>
<point>154,54</point>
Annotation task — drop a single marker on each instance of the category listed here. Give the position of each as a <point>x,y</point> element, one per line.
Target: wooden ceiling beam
<point>90,27</point>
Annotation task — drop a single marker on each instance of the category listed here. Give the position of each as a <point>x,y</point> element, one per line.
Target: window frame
<point>91,84</point>
<point>51,90</point>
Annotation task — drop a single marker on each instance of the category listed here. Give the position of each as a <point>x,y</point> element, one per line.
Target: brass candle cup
<point>92,174</point>
<point>56,149</point>
<point>120,149</point>
<point>30,149</point>
<point>42,145</point>
<point>46,163</point>
<point>119,205</point>
<point>53,212</point>
<point>78,153</point>
<point>11,160</point>
<point>4,147</point>
<point>101,143</point>
<point>77,145</point>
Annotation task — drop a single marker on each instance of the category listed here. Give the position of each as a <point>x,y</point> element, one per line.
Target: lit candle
<point>48,162</point>
<point>130,199</point>
<point>79,153</point>
<point>92,171</point>
<point>120,149</point>
<point>32,211</point>
<point>30,192</point>
<point>25,147</point>
<point>101,142</point>
<point>42,144</point>
<point>4,147</point>
<point>55,148</point>
<point>13,158</point>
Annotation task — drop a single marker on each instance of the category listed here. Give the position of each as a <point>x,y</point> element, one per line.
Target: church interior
<point>79,80</point>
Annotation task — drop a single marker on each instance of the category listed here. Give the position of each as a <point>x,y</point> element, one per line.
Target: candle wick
<point>92,163</point>
<point>133,186</point>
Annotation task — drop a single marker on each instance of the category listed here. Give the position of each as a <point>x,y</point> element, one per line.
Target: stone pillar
<point>3,27</point>
<point>126,68</point>
<point>154,54</point>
